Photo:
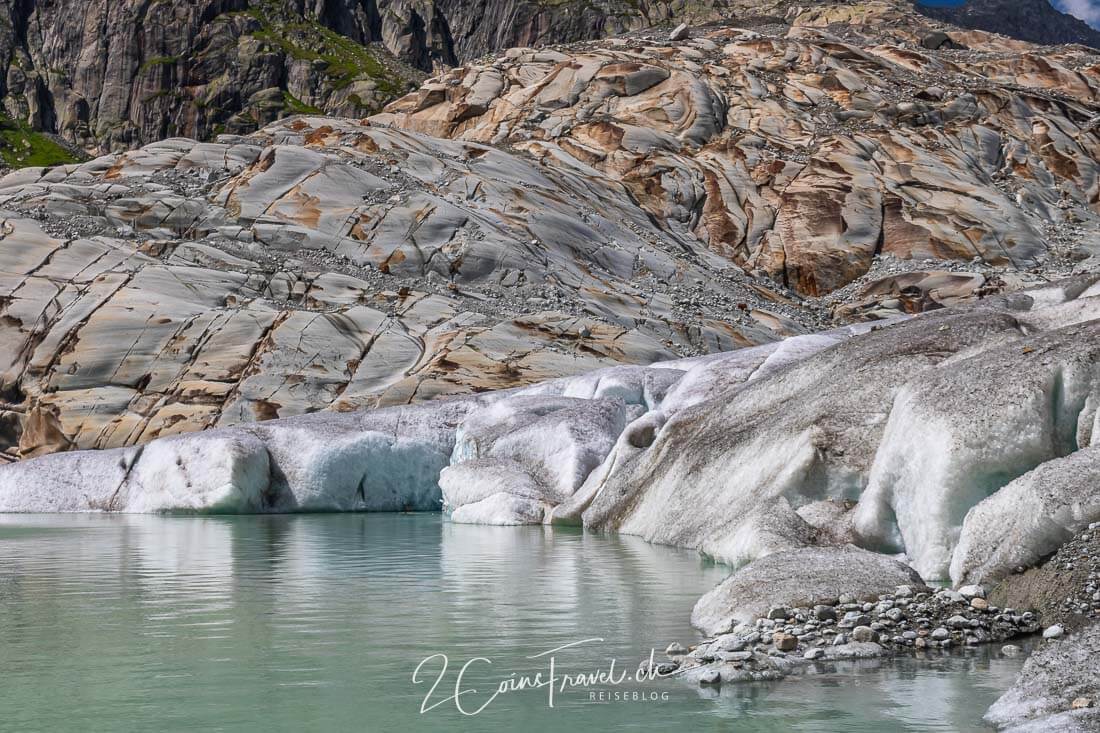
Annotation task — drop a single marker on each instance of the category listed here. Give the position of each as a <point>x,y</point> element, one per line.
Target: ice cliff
<point>961,439</point>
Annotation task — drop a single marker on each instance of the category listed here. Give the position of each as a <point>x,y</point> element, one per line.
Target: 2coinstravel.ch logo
<point>469,700</point>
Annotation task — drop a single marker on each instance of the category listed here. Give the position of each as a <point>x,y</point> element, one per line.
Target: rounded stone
<point>864,634</point>
<point>710,677</point>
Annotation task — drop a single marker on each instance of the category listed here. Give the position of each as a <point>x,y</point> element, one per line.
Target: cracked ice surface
<point>932,439</point>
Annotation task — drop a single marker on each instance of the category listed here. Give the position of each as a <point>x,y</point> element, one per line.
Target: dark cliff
<point>1036,21</point>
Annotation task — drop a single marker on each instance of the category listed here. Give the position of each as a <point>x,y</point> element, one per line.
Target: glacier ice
<point>932,438</point>
<point>963,429</point>
<point>807,432</point>
<point>1029,518</point>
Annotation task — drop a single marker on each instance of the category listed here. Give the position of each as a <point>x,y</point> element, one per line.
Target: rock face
<point>1058,688</point>
<point>804,150</point>
<point>111,75</point>
<point>1036,21</point>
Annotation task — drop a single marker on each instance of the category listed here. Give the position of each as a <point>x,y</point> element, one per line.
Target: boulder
<point>798,578</point>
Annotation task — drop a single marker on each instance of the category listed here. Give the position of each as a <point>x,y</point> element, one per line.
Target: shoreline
<point>775,646</point>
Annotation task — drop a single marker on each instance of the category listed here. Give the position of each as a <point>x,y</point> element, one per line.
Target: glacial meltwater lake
<point>317,622</point>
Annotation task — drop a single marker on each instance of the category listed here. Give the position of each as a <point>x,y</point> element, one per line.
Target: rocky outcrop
<point>331,264</point>
<point>478,27</point>
<point>110,76</point>
<point>804,151</point>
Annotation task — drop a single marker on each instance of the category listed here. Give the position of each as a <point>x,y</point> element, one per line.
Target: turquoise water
<point>316,623</point>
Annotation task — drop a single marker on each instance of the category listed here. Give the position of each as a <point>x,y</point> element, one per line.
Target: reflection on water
<point>317,623</point>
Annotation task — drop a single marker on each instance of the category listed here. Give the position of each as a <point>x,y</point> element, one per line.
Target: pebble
<point>911,619</point>
<point>972,591</point>
<point>864,634</point>
<point>679,33</point>
<point>675,650</point>
<point>854,618</point>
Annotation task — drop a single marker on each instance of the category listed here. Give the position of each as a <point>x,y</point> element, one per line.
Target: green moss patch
<point>22,147</point>
<point>345,60</point>
<point>158,61</point>
<point>298,107</point>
